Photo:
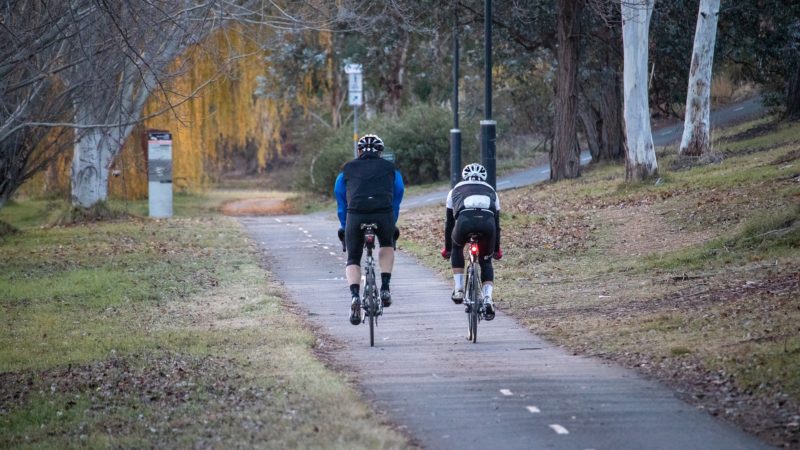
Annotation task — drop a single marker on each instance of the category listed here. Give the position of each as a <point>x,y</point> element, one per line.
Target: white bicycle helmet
<point>474,171</point>
<point>370,143</point>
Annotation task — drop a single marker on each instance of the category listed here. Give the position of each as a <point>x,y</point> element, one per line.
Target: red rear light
<point>370,239</point>
<point>473,249</point>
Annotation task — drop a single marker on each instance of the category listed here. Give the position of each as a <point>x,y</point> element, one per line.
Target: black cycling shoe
<point>488,309</point>
<point>386,298</point>
<point>355,311</point>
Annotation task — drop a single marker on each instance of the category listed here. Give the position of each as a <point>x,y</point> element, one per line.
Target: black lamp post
<point>488,126</point>
<point>455,133</point>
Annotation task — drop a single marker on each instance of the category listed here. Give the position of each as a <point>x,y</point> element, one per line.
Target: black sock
<point>354,290</point>
<point>385,277</point>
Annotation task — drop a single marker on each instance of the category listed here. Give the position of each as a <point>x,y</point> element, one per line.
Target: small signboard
<point>159,173</point>
<point>388,155</point>
<point>355,98</point>
<point>354,84</point>
<point>352,68</point>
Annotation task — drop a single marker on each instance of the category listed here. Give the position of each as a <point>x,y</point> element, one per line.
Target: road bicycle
<point>371,302</point>
<point>473,293</point>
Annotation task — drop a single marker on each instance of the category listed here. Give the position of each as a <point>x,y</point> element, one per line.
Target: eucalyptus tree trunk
<point>640,162</point>
<point>696,139</point>
<point>565,161</point>
<point>91,160</point>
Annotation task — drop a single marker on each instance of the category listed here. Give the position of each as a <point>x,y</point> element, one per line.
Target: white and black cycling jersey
<point>473,195</point>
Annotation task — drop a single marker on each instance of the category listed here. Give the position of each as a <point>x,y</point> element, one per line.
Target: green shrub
<point>419,139</point>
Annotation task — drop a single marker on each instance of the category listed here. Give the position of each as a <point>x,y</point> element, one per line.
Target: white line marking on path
<point>739,108</point>
<point>559,429</point>
<point>334,254</point>
<point>503,182</point>
<point>506,392</point>
<point>533,409</point>
<point>664,133</point>
<point>278,220</point>
<point>545,171</point>
<point>588,158</point>
<point>325,247</point>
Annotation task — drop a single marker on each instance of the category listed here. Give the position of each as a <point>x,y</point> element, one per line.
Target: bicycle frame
<point>473,297</point>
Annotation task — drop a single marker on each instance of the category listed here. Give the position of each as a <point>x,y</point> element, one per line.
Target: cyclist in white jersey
<point>473,207</point>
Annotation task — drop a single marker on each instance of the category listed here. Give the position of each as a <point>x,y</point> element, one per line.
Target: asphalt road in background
<point>511,390</point>
<point>664,135</point>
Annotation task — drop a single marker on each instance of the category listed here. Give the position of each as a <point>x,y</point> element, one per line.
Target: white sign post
<point>355,98</point>
<point>159,173</point>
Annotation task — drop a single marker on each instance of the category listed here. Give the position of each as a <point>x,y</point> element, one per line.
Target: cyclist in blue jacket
<point>369,189</point>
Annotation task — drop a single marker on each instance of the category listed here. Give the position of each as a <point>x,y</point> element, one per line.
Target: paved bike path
<point>511,390</point>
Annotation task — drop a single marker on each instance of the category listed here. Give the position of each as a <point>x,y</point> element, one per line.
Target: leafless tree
<point>90,65</point>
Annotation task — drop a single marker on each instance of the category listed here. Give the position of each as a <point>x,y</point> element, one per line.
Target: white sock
<point>487,290</point>
<point>458,278</point>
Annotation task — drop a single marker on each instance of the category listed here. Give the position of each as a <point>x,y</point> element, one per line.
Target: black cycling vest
<point>474,195</point>
<point>369,183</point>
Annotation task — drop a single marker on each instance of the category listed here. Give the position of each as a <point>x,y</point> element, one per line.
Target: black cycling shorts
<point>469,222</point>
<point>354,235</point>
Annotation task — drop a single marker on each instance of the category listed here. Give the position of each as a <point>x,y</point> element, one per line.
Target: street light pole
<point>488,126</point>
<point>455,133</point>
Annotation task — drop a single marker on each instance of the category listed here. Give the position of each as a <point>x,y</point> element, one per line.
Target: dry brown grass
<point>682,280</point>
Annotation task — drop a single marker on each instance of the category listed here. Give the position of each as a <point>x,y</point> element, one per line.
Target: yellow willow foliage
<point>225,128</point>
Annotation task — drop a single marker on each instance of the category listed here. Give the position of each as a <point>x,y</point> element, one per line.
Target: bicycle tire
<point>472,314</point>
<point>369,290</point>
<point>476,308</point>
<point>477,303</point>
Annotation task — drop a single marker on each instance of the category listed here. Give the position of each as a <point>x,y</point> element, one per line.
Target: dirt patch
<point>642,231</point>
<point>6,229</point>
<point>750,133</point>
<point>256,207</point>
<point>688,162</point>
<point>787,158</point>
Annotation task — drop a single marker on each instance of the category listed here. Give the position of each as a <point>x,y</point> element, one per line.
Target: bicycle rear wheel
<point>371,299</point>
<point>474,306</point>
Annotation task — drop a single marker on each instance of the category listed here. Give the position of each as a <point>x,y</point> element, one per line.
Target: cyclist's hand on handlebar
<point>341,234</point>
<point>445,253</point>
<point>498,255</point>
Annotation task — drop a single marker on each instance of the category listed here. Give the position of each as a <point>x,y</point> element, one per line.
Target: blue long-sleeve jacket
<point>340,192</point>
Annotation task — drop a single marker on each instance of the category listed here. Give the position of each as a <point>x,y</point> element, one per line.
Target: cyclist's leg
<point>487,270</point>
<point>457,262</point>
<point>385,234</point>
<point>354,241</point>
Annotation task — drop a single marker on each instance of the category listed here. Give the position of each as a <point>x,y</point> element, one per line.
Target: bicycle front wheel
<point>373,311</point>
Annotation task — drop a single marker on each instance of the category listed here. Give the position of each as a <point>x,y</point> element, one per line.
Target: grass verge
<point>167,334</point>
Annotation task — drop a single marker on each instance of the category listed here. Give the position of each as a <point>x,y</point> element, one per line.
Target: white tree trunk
<point>641,156</point>
<point>697,122</point>
<point>91,161</point>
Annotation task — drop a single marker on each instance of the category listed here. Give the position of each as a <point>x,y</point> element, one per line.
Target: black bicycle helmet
<point>474,171</point>
<point>370,143</point>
